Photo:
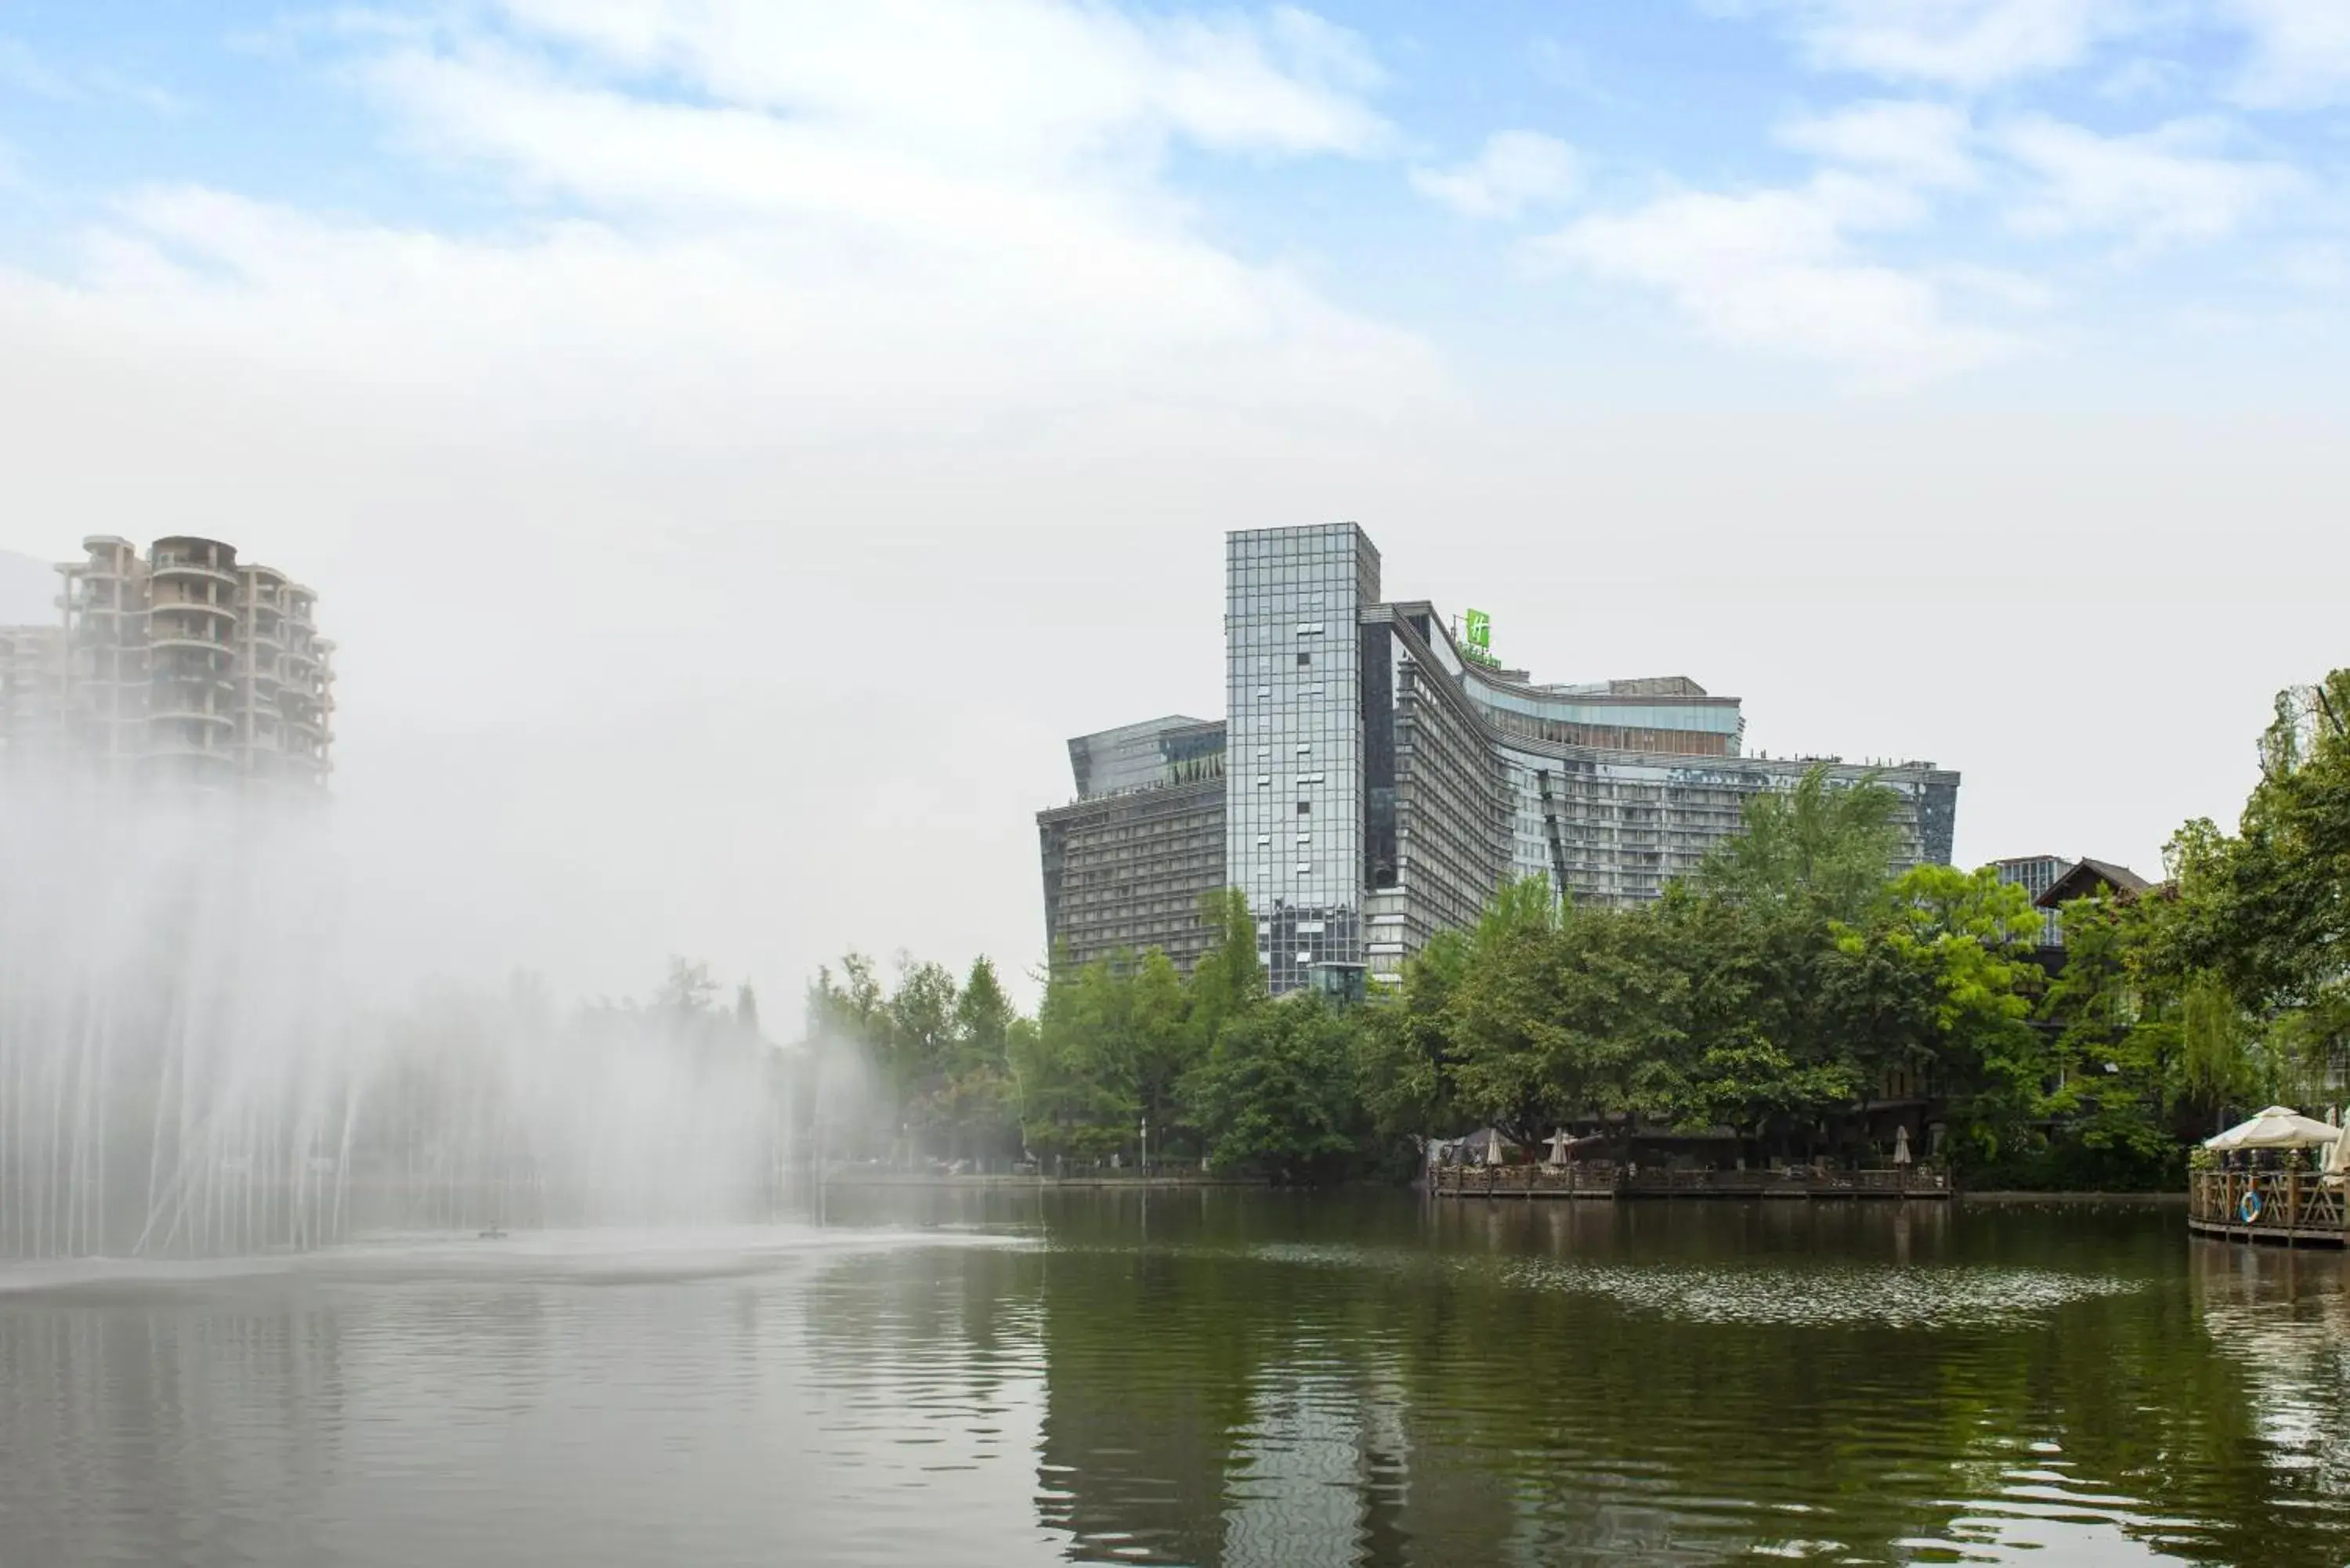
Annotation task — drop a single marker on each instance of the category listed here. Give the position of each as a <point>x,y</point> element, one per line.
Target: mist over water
<point>193,1062</point>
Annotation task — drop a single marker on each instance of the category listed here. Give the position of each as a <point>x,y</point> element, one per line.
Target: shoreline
<point>1997,1200</point>
<point>1105,1182</point>
<point>1027,1183</point>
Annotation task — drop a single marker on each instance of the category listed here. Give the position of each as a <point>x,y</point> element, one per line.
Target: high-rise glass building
<point>1384,774</point>
<point>1297,790</point>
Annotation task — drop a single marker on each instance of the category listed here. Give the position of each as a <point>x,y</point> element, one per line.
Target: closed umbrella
<point>1901,1144</point>
<point>2337,1161</point>
<point>2279,1127</point>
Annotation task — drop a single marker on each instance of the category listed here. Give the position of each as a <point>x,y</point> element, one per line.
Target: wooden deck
<point>1601,1180</point>
<point>2285,1208</point>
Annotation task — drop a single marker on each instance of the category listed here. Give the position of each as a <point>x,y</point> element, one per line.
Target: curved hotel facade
<point>1380,777</point>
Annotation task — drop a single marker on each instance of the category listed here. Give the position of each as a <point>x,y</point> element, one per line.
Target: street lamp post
<point>1145,1146</point>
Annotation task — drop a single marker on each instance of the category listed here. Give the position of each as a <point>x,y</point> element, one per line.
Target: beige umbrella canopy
<point>2279,1127</point>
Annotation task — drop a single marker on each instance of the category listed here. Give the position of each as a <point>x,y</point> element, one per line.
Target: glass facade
<point>1149,756</point>
<point>1378,788</point>
<point>1294,799</point>
<point>2035,873</point>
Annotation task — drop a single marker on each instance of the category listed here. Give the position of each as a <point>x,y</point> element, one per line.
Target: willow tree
<point>1829,844</point>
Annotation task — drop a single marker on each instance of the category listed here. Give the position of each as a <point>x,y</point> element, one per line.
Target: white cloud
<point>1515,170</point>
<point>1039,82</point>
<point>1776,270</point>
<point>885,208</point>
<point>2299,54</point>
<point>1966,44</point>
<point>1922,143</point>
<point>2142,77</point>
<point>2171,184</point>
<point>29,72</point>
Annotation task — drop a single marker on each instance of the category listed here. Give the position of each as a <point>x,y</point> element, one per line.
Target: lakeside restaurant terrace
<point>2236,1200</point>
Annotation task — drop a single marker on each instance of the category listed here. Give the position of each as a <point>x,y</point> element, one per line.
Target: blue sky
<point>1838,195</point>
<point>746,437</point>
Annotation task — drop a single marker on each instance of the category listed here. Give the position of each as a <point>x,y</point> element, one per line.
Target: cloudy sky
<point>737,441</point>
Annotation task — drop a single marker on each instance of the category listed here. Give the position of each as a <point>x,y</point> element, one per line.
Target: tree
<point>1403,1046</point>
<point>2269,909</point>
<point>974,1099</point>
<point>1822,840</point>
<point>1165,1047</point>
<point>689,990</point>
<point>1563,1014</point>
<point>1078,1081</point>
<point>1228,980</point>
<point>1969,935</point>
<point>1276,1093</point>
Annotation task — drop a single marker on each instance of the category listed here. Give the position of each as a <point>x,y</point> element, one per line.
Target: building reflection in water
<point>1243,1381</point>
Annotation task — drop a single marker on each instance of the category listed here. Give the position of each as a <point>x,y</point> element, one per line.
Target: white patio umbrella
<point>2279,1127</point>
<point>1901,1146</point>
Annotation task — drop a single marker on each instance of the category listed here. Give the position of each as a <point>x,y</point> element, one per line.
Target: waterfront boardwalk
<point>2284,1207</point>
<point>1604,1180</point>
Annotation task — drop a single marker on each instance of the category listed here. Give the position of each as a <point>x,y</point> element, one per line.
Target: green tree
<point>1228,980</point>
<point>1077,1083</point>
<point>2268,910</point>
<point>1828,842</point>
<point>1276,1093</point>
<point>1403,1046</point>
<point>1165,1047</point>
<point>1563,1014</point>
<point>1971,936</point>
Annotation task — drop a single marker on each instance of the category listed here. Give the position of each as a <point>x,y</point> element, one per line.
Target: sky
<point>737,442</point>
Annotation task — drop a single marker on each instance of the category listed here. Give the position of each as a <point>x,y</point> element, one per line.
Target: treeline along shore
<point>1789,1003</point>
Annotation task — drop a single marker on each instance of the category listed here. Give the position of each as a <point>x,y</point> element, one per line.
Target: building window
<point>1303,660</point>
<point>1263,781</point>
<point>1304,806</point>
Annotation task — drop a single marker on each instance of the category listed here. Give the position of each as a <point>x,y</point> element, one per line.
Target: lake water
<point>1222,1378</point>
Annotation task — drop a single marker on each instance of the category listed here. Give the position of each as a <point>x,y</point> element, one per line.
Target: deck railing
<point>1601,1178</point>
<point>2267,1202</point>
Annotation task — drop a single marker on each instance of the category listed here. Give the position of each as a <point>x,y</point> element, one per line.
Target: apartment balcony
<point>186,554</point>
<point>179,745</point>
<point>190,571</point>
<point>107,555</point>
<point>167,603</point>
<point>195,707</point>
<point>163,638</point>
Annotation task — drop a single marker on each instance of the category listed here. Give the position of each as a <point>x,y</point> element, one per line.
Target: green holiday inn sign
<point>1477,640</point>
